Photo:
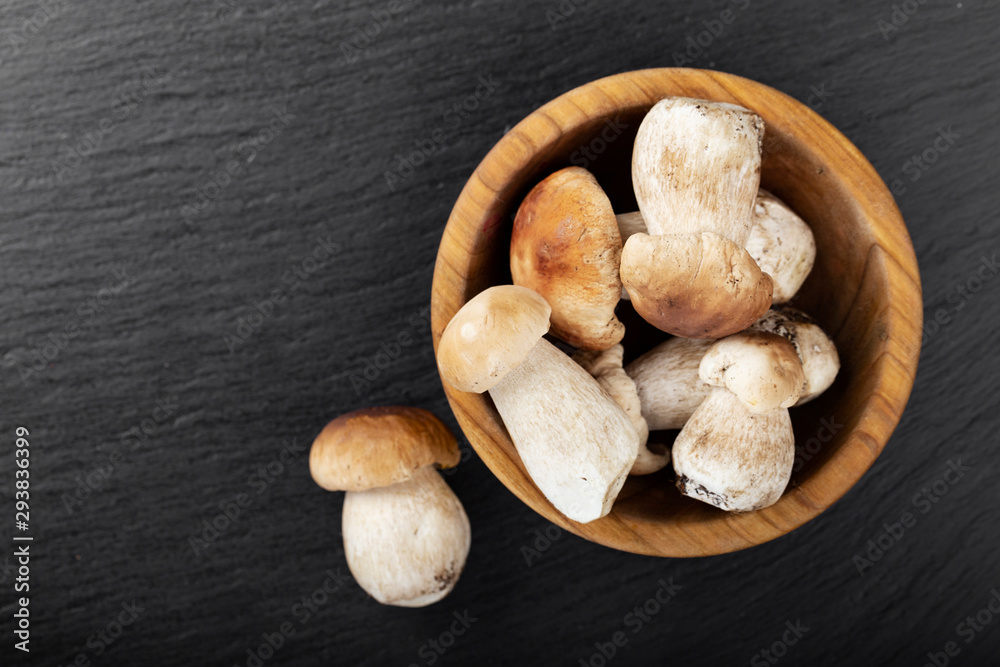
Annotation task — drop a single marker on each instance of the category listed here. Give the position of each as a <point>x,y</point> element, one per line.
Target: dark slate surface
<point>114,120</point>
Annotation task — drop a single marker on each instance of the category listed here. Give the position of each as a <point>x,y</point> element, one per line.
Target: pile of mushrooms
<point>710,259</point>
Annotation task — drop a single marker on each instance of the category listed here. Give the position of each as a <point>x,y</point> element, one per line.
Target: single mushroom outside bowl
<point>864,290</point>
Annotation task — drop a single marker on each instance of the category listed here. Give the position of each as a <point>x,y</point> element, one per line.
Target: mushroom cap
<point>817,352</point>
<point>696,167</point>
<point>566,246</point>
<point>761,368</point>
<point>694,285</point>
<point>375,447</point>
<point>490,335</point>
<point>782,244</point>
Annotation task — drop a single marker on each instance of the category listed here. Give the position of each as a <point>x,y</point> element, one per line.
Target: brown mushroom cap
<point>490,335</point>
<point>694,285</point>
<point>566,246</point>
<point>375,447</point>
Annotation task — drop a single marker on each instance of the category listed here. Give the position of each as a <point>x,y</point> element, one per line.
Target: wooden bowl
<point>864,290</point>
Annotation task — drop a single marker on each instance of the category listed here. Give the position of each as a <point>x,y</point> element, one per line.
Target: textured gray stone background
<point>114,116</point>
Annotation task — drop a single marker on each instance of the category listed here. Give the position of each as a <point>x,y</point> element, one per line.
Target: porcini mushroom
<point>565,245</point>
<point>782,245</point>
<point>737,450</point>
<point>761,368</point>
<point>606,367</point>
<point>696,171</point>
<point>575,442</point>
<point>670,389</point>
<point>817,353</point>
<point>667,382</point>
<point>694,285</point>
<point>406,534</point>
<point>780,242</point>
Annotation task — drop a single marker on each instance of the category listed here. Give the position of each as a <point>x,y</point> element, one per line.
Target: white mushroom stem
<point>782,245</point>
<point>696,167</point>
<point>667,382</point>
<point>406,543</point>
<point>606,368</point>
<point>733,459</point>
<point>576,443</point>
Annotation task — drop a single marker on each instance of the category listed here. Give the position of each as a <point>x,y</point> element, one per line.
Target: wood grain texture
<point>864,290</point>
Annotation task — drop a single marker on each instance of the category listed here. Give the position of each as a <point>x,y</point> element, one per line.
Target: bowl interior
<point>864,290</point>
